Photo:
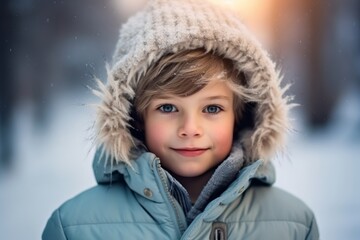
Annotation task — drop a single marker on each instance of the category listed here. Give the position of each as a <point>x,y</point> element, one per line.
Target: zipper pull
<point>218,231</point>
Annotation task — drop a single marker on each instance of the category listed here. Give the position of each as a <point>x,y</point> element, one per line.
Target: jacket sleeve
<point>54,229</point>
<point>313,233</point>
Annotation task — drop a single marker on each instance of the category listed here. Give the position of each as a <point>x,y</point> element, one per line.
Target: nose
<point>190,126</point>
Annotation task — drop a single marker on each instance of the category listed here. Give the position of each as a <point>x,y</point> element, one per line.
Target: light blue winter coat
<point>135,203</point>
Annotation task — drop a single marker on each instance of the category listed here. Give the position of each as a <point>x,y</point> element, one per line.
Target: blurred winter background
<point>50,51</point>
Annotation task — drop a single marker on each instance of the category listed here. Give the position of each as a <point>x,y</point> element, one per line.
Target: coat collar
<point>141,177</point>
<point>143,173</point>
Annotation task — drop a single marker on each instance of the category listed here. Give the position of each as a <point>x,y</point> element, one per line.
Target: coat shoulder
<point>90,206</point>
<point>265,211</point>
<point>278,204</point>
<point>84,209</point>
<point>99,204</point>
<point>101,212</point>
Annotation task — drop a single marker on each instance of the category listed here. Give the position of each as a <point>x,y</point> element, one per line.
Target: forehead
<point>212,90</point>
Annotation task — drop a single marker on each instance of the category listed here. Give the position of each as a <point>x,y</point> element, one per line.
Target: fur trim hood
<point>169,26</point>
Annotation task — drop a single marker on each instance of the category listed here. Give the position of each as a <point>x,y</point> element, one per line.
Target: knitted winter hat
<point>170,26</point>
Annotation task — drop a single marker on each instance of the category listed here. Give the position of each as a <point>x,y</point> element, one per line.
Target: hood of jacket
<point>170,26</point>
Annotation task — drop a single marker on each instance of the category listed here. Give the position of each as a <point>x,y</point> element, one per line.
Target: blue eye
<point>212,109</point>
<point>167,108</point>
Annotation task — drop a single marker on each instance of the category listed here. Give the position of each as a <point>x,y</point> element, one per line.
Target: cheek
<point>155,135</point>
<point>222,136</point>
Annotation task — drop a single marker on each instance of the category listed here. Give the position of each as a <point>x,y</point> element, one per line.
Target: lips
<point>190,152</point>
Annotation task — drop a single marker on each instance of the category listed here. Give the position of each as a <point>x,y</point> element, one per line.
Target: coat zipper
<point>163,178</point>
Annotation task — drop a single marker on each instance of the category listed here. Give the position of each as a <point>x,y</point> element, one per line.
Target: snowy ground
<point>53,166</point>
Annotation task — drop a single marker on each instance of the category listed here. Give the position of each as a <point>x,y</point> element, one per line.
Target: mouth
<point>190,152</point>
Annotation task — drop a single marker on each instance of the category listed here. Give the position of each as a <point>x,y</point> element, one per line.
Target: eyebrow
<point>216,97</point>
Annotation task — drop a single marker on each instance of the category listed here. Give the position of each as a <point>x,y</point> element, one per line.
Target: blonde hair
<point>183,74</point>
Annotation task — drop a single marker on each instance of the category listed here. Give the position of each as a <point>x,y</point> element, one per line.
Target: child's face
<point>191,134</point>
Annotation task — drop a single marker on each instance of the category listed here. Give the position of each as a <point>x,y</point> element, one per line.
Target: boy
<point>189,119</point>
